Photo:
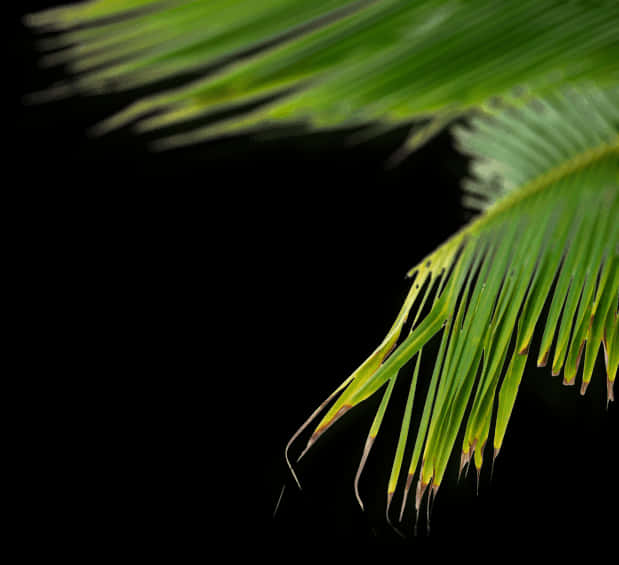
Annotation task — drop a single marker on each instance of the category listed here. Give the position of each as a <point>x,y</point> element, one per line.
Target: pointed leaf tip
<point>465,458</point>
<point>421,489</point>
<point>407,488</point>
<point>366,452</point>
<point>583,387</point>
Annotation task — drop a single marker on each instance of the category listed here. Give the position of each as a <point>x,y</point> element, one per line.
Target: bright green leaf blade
<point>528,248</point>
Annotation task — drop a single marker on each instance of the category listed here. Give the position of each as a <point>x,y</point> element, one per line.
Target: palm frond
<point>326,63</point>
<point>552,237</point>
<point>539,80</point>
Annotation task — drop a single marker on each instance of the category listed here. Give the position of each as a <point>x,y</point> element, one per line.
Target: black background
<point>217,294</point>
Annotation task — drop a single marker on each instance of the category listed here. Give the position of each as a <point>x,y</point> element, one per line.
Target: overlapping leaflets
<point>326,63</point>
<point>539,84</point>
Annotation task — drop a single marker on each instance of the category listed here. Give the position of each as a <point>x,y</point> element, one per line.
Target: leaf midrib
<point>536,185</point>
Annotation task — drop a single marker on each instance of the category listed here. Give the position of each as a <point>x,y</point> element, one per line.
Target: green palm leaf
<point>540,84</point>
<point>555,237</point>
<point>327,63</point>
